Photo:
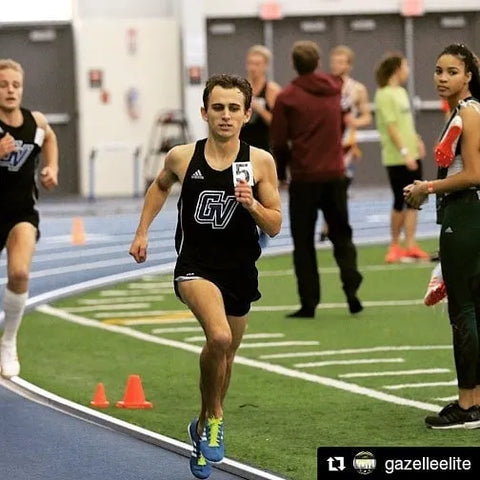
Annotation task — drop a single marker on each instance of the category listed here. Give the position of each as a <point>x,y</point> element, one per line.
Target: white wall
<point>250,8</point>
<point>125,8</point>
<point>154,70</point>
<point>22,11</point>
<point>51,10</point>
<point>194,41</point>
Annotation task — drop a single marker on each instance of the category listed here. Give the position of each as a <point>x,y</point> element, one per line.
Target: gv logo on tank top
<point>14,160</point>
<point>215,208</point>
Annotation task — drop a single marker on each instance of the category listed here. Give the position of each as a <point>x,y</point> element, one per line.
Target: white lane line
<point>326,306</point>
<point>97,283</point>
<point>418,371</point>
<point>158,331</point>
<point>265,366</point>
<point>52,242</point>
<point>447,399</point>
<point>81,267</point>
<point>364,268</point>
<point>247,336</point>
<point>108,308</point>
<point>150,285</point>
<point>56,401</point>
<point>83,252</point>
<point>149,278</point>
<point>420,385</point>
<point>121,292</point>
<point>263,335</point>
<point>163,320</point>
<point>349,362</point>
<point>278,344</point>
<point>125,298</point>
<point>389,348</point>
<point>150,313</point>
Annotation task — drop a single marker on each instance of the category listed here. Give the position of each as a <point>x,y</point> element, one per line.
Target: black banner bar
<point>345,463</point>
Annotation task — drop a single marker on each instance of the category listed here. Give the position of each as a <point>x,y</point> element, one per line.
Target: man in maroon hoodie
<point>306,132</point>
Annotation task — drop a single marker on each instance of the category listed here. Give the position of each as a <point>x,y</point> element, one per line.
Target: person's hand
<point>138,249</point>
<point>348,119</point>
<point>244,194</point>
<point>416,194</point>
<point>49,177</point>
<point>411,163</point>
<point>7,145</point>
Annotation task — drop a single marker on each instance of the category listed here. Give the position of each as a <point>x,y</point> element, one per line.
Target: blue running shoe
<point>199,466</point>
<point>212,447</point>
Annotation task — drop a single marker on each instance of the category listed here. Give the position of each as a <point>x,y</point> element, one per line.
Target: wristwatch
<point>404,151</point>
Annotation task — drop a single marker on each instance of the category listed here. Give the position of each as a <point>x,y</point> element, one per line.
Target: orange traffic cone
<point>134,396</point>
<point>99,397</point>
<point>78,232</point>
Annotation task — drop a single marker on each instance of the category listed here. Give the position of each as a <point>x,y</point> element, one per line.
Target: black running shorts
<point>9,220</point>
<point>239,287</point>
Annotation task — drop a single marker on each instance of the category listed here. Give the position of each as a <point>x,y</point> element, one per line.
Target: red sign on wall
<point>413,8</point>
<point>270,10</point>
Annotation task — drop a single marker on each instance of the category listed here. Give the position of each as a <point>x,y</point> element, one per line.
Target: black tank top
<point>214,231</point>
<point>18,187</point>
<point>256,132</point>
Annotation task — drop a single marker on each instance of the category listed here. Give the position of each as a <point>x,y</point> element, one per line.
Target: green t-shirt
<point>392,105</point>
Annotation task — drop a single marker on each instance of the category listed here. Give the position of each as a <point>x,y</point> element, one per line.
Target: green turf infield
<point>336,380</point>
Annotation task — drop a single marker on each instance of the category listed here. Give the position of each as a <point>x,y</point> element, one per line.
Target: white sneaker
<point>9,363</point>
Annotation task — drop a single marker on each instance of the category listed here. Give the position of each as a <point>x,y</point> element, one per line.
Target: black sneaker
<point>454,416</point>
<point>354,305</point>
<point>302,313</point>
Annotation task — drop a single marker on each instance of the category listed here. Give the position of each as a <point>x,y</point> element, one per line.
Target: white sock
<point>13,306</point>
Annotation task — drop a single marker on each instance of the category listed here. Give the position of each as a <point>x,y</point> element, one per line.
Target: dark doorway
<point>46,53</point>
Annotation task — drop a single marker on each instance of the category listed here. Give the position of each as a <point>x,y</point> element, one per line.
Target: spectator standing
<point>457,188</point>
<point>355,100</point>
<point>256,132</point>
<point>402,151</point>
<point>307,140</point>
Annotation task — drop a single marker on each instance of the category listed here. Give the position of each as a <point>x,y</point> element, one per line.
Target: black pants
<point>306,198</point>
<point>460,258</point>
<point>400,176</point>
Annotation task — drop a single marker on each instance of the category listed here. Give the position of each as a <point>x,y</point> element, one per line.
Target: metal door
<point>292,29</point>
<point>46,54</point>
<point>228,41</point>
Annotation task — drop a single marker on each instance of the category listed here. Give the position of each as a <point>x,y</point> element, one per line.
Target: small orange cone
<point>99,397</point>
<point>78,232</point>
<point>134,396</point>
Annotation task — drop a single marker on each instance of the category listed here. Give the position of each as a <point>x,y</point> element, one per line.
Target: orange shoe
<point>395,254</point>
<point>416,253</point>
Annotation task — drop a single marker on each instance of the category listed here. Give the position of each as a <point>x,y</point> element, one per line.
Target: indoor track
<point>43,437</point>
